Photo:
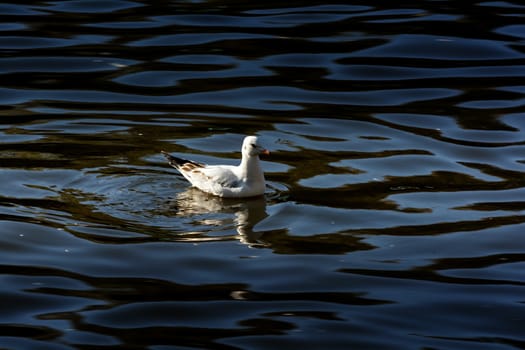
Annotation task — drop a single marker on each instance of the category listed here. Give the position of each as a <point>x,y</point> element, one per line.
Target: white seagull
<point>244,180</point>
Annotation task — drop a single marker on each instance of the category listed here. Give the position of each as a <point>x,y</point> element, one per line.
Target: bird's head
<point>251,147</point>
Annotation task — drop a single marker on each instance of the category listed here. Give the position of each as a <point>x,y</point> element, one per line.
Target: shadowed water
<point>394,212</point>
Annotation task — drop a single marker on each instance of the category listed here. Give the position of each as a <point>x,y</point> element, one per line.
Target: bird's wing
<point>223,175</point>
<point>179,163</point>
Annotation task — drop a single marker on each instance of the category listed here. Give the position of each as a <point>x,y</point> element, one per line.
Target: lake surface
<point>394,216</point>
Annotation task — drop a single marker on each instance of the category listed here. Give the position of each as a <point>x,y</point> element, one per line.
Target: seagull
<point>228,181</point>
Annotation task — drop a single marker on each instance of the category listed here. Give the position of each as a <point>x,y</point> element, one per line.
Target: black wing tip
<point>167,155</point>
<point>173,161</point>
<point>177,162</point>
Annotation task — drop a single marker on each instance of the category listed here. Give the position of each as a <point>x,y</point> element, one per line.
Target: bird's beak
<point>265,152</point>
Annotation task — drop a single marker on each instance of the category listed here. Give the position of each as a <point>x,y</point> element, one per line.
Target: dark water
<point>395,209</point>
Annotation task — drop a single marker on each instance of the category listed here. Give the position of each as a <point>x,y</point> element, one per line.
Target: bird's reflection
<point>246,212</point>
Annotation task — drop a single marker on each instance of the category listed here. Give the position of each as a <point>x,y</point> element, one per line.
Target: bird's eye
<point>254,145</point>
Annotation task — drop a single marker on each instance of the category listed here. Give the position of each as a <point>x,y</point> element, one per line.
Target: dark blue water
<point>394,216</point>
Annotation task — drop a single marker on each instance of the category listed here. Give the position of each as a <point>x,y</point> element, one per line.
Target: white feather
<point>244,180</point>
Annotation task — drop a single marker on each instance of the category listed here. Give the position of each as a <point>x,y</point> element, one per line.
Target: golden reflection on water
<point>244,214</point>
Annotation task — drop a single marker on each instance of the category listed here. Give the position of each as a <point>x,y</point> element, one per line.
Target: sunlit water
<point>394,213</point>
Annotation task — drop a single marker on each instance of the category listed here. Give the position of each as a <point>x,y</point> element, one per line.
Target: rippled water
<point>394,214</point>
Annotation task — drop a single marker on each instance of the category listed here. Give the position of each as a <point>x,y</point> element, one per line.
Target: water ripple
<point>394,185</point>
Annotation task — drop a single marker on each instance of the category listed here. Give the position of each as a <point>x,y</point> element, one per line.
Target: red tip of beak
<point>265,152</point>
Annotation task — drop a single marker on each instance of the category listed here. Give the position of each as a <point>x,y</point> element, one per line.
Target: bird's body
<point>244,180</point>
